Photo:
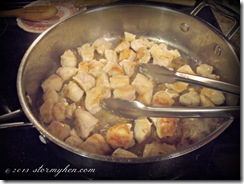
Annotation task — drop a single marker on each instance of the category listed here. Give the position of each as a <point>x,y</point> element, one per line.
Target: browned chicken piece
<point>75,141</point>
<point>51,94</point>
<point>217,97</point>
<point>94,97</point>
<point>86,51</point>
<point>83,67</point>
<point>157,149</point>
<point>122,153</point>
<point>68,59</point>
<point>85,81</point>
<point>177,86</point>
<point>186,69</point>
<point>112,68</point>
<point>84,123</point>
<point>127,54</point>
<point>46,111</point>
<point>59,111</point>
<point>143,55</point>
<point>53,82</point>
<point>206,70</point>
<point>96,68</point>
<point>66,72</point>
<point>73,92</point>
<point>125,93</point>
<point>190,99</point>
<point>162,98</point>
<point>205,101</point>
<point>120,136</point>
<point>59,130</point>
<point>165,127</point>
<point>103,80</point>
<point>145,97</point>
<point>142,129</point>
<point>129,37</point>
<point>100,45</point>
<point>128,66</point>
<point>122,46</point>
<point>111,56</point>
<point>70,111</point>
<point>96,144</point>
<point>118,81</point>
<point>140,43</point>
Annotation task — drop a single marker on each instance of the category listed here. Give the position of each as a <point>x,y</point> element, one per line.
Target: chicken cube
<point>157,149</point>
<point>59,130</point>
<point>162,98</point>
<point>100,45</point>
<point>66,72</point>
<point>73,92</point>
<point>111,56</point>
<point>122,46</point>
<point>85,81</point>
<point>127,54</point>
<point>96,68</point>
<point>70,111</point>
<point>205,101</point>
<point>68,59</point>
<point>186,69</point>
<point>142,129</point>
<point>118,81</point>
<point>145,96</point>
<point>112,68</point>
<point>85,123</point>
<point>74,141</point>
<point>86,51</point>
<point>129,37</point>
<point>96,144</point>
<point>53,82</point>
<point>143,55</point>
<point>94,97</point>
<point>190,99</point>
<point>102,80</point>
<point>83,67</point>
<point>120,136</point>
<point>177,86</point>
<point>140,43</point>
<point>128,67</point>
<point>122,153</point>
<point>59,111</point>
<point>217,97</point>
<point>50,94</point>
<point>46,111</point>
<point>125,93</point>
<point>204,70</point>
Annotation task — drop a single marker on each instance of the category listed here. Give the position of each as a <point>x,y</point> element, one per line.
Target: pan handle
<point>227,12</point>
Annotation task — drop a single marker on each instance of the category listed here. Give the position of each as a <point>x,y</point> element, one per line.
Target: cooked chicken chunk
<point>118,81</point>
<point>70,111</point>
<point>51,94</point>
<point>68,59</point>
<point>102,80</point>
<point>83,67</point>
<point>73,92</point>
<point>217,97</point>
<point>94,96</point>
<point>100,45</point>
<point>84,123</point>
<point>96,68</point>
<point>129,37</point>
<point>112,68</point>
<point>85,81</point>
<point>46,111</point>
<point>139,43</point>
<point>128,66</point>
<point>205,101</point>
<point>111,56</point>
<point>157,149</point>
<point>86,51</point>
<point>190,99</point>
<point>186,69</point>
<point>96,144</point>
<point>59,111</point>
<point>127,54</point>
<point>75,141</point>
<point>53,82</point>
<point>162,98</point>
<point>145,97</point>
<point>120,136</point>
<point>66,72</point>
<point>122,153</point>
<point>122,46</point>
<point>125,93</point>
<point>142,129</point>
<point>143,55</point>
<point>165,126</point>
<point>206,70</point>
<point>59,130</point>
<point>177,86</point>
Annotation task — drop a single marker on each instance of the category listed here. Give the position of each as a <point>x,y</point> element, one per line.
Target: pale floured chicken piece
<point>86,51</point>
<point>112,68</point>
<point>53,82</point>
<point>190,99</point>
<point>103,80</point>
<point>139,43</point>
<point>96,144</point>
<point>51,94</point>
<point>118,81</point>
<point>143,55</point>
<point>73,92</point>
<point>177,86</point>
<point>84,123</point>
<point>123,153</point>
<point>173,94</point>
<point>85,81</point>
<point>94,97</point>
<point>142,129</point>
<point>217,97</point>
<point>129,36</point>
<point>100,45</point>
<point>125,93</point>
<point>59,130</point>
<point>122,46</point>
<point>66,72</point>
<point>127,54</point>
<point>59,111</point>
<point>205,101</point>
<point>75,141</point>
<point>145,96</point>
<point>111,55</point>
<point>70,111</point>
<point>68,59</point>
<point>128,67</point>
<point>206,70</point>
<point>46,111</point>
<point>120,136</point>
<point>162,98</point>
<point>157,149</point>
<point>96,68</point>
<point>83,67</point>
<point>186,69</point>
<point>165,127</point>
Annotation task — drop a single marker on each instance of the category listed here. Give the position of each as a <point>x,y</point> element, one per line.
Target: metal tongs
<point>161,74</point>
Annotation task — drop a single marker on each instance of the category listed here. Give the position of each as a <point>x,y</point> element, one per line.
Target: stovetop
<point>22,151</point>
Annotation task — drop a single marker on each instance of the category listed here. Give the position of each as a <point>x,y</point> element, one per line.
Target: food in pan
<point>71,111</point>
